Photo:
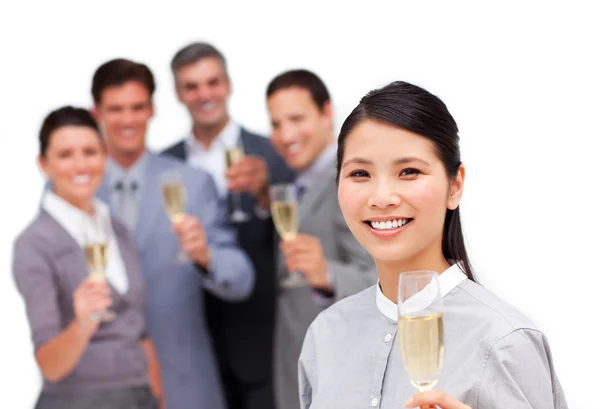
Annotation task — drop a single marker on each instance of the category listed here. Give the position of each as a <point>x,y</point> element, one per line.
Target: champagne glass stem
<point>237,201</point>
<point>238,214</point>
<point>181,257</point>
<point>294,279</point>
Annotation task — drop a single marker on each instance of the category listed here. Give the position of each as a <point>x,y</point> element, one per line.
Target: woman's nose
<point>384,195</point>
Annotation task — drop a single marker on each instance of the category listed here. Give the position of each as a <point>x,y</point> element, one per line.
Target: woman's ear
<point>42,164</point>
<point>456,188</point>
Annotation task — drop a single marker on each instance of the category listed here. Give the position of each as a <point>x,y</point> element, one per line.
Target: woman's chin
<point>386,255</point>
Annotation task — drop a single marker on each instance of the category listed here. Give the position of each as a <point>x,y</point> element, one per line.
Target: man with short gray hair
<point>242,332</point>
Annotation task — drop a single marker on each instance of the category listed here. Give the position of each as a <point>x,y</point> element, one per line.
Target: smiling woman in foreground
<point>400,183</point>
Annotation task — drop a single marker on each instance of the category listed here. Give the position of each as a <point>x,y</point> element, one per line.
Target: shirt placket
<point>384,348</point>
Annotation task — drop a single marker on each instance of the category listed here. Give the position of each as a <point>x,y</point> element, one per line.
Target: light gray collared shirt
<point>494,356</point>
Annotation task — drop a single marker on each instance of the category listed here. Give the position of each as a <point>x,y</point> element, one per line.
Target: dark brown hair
<point>414,109</point>
<point>301,79</point>
<point>61,117</point>
<point>119,71</point>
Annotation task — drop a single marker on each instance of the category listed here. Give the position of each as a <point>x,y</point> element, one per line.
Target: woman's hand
<point>430,399</point>
<point>91,297</point>
<point>58,357</point>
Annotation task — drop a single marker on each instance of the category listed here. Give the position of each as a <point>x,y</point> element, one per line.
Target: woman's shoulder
<point>35,245</point>
<point>481,308</point>
<point>38,230</point>
<point>347,310</point>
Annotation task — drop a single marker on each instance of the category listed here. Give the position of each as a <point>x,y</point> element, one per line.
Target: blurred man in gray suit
<point>332,263</point>
<point>122,92</point>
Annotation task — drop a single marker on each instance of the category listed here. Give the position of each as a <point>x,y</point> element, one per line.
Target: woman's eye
<point>410,172</point>
<point>359,174</point>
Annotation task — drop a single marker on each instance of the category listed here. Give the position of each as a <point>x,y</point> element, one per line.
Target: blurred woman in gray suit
<point>86,318</point>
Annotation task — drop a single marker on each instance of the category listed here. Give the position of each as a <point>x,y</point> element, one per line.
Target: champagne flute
<point>421,327</point>
<point>174,200</point>
<point>284,210</point>
<point>96,249</point>
<point>232,156</point>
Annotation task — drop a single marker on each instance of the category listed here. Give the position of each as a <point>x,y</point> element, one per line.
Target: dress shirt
<point>212,159</point>
<point>494,356</point>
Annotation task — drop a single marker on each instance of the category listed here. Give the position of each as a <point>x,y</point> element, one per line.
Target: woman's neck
<point>87,206</point>
<point>389,271</point>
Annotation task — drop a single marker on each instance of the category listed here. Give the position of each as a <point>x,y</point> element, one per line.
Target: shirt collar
<point>308,175</point>
<point>73,219</point>
<point>449,279</point>
<point>135,172</point>
<point>227,138</point>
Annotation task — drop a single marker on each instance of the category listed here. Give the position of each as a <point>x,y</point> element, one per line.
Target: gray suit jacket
<point>175,313</point>
<point>353,270</point>
<point>48,266</point>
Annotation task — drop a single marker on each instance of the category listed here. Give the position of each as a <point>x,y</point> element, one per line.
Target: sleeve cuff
<point>325,296</point>
<point>205,272</point>
<point>261,212</point>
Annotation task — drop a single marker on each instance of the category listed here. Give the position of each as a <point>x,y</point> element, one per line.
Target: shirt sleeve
<point>325,298</point>
<point>230,275</point>
<point>32,272</point>
<point>519,374</point>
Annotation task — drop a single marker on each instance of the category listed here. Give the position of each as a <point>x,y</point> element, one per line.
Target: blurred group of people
<point>238,271</point>
<point>217,330</point>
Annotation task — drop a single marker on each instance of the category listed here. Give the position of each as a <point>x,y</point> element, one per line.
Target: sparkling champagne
<point>422,348</point>
<point>233,155</point>
<point>174,198</point>
<point>285,217</point>
<point>96,256</point>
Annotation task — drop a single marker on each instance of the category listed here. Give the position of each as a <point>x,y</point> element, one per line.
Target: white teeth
<point>81,179</point>
<point>389,224</point>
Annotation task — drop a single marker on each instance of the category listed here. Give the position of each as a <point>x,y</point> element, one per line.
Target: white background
<point>521,79</point>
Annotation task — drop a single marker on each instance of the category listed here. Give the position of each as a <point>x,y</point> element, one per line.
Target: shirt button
<point>388,337</point>
<point>374,402</point>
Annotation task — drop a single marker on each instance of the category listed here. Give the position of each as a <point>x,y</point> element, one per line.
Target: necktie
<point>127,203</point>
<point>300,189</point>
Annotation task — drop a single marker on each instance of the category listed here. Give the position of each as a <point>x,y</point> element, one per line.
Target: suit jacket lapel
<point>314,194</point>
<point>179,150</point>
<point>150,203</point>
<point>128,257</point>
<point>103,194</point>
<point>249,148</point>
